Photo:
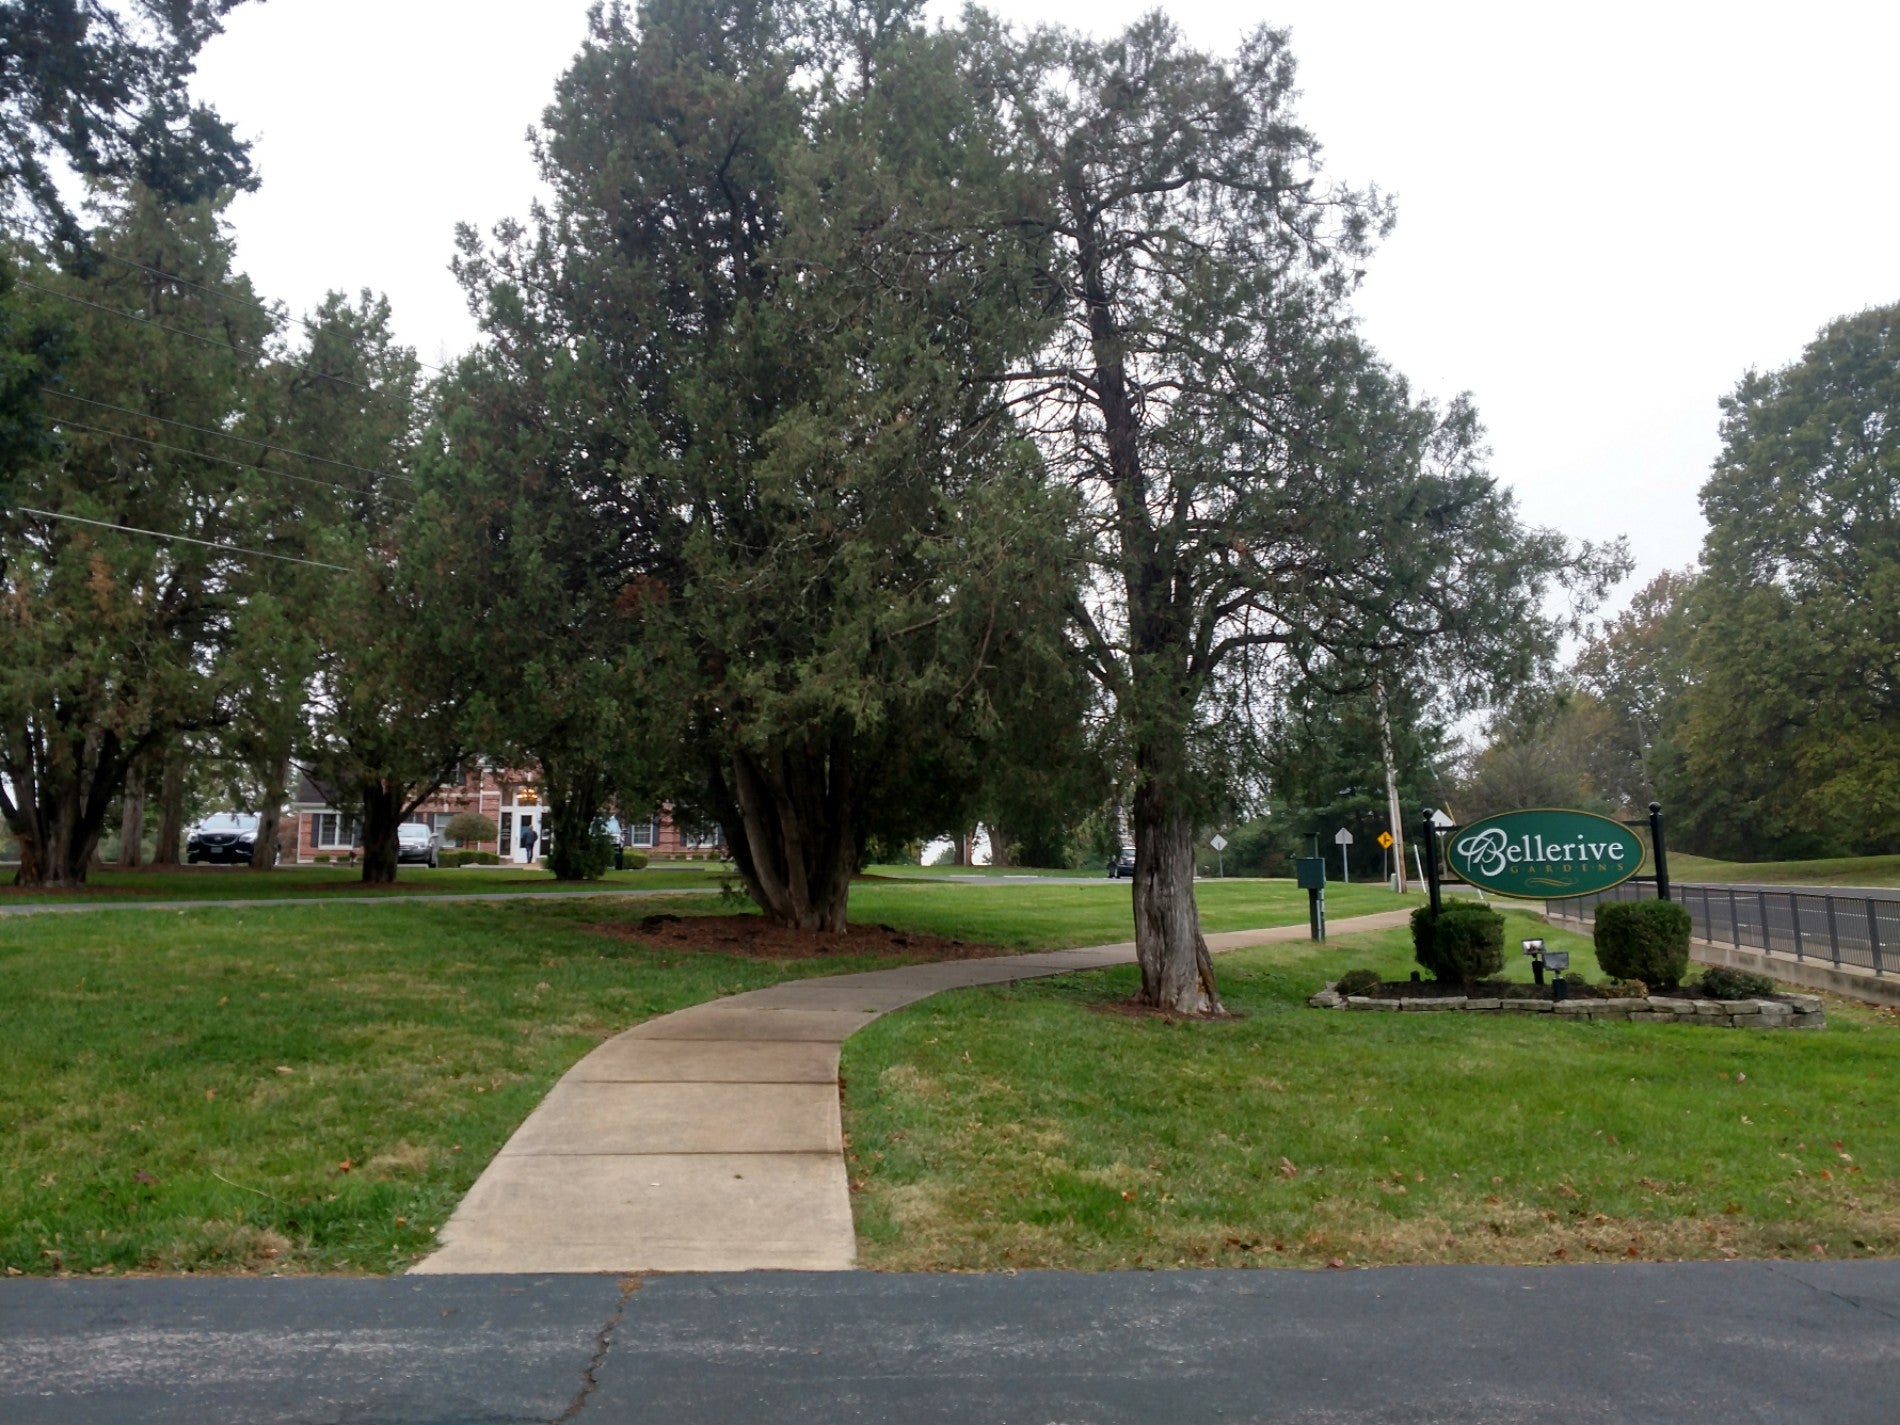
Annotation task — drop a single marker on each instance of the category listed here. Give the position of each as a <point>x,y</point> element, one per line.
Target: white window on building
<point>700,838</point>
<point>334,831</point>
<point>644,833</point>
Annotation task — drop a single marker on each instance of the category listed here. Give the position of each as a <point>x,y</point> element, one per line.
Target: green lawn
<point>1092,912</point>
<point>298,1089</point>
<point>314,1088</point>
<point>1033,1126</point>
<point>1839,871</point>
<point>221,883</point>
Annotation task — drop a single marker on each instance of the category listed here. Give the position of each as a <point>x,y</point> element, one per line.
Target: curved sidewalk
<point>711,1140</point>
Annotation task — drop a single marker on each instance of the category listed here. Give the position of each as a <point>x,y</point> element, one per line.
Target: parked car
<point>416,844</point>
<point>1122,863</point>
<point>226,836</point>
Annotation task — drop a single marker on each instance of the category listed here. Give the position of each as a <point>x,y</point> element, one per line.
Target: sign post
<point>1342,841</point>
<point>1310,872</point>
<point>1385,857</point>
<point>1219,843</point>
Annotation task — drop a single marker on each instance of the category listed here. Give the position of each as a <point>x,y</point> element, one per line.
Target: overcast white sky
<point>1607,213</point>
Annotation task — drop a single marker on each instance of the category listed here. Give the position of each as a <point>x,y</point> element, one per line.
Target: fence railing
<point>1828,927</point>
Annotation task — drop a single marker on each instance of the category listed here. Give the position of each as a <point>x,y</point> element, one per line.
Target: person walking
<point>528,838</point>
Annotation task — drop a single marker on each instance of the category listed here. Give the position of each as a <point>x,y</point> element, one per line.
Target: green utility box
<point>1310,871</point>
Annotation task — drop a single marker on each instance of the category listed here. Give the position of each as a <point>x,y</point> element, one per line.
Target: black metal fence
<point>1829,927</point>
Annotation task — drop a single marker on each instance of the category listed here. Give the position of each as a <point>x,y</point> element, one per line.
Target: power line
<point>191,335</point>
<point>224,435</point>
<point>203,455</point>
<point>181,538</point>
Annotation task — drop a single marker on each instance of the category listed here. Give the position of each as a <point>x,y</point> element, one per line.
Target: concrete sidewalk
<point>711,1140</point>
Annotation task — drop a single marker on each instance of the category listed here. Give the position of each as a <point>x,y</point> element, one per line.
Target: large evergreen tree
<point>1259,485</point>
<point>760,307</point>
<point>104,89</point>
<point>130,536</point>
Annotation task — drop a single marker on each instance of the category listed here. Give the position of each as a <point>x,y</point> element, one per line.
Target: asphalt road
<point>1695,1344</point>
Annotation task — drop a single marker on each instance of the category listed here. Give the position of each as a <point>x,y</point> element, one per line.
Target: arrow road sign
<point>1385,840</point>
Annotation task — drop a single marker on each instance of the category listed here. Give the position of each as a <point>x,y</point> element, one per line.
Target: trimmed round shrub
<point>1462,943</point>
<point>1722,982</point>
<point>1644,940</point>
<point>468,826</point>
<point>635,860</point>
<point>1358,982</point>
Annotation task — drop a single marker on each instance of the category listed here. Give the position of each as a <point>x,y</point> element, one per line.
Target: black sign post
<point>1662,855</point>
<point>1431,859</point>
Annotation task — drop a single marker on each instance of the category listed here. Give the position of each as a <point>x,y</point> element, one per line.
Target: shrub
<point>469,826</point>
<point>1721,982</point>
<point>1462,943</point>
<point>1644,940</point>
<point>1626,989</point>
<point>321,860</point>
<point>1358,982</point>
<point>582,858</point>
<point>635,860</point>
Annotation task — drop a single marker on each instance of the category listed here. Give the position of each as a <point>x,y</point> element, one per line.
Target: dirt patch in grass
<point>753,938</point>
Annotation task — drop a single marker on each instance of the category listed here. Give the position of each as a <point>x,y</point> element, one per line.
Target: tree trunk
<point>61,815</point>
<point>1002,852</point>
<point>576,801</point>
<point>1176,971</point>
<point>382,814</point>
<point>270,815</point>
<point>171,808</point>
<point>132,821</point>
<point>793,836</point>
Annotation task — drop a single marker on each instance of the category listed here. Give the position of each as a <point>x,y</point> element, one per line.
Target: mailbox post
<point>1311,874</point>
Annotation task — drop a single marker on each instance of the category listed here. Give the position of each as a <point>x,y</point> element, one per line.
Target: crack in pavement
<point>603,1342</point>
<point>1775,1269</point>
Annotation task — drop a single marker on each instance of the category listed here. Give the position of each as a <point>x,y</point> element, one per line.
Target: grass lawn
<point>222,883</point>
<point>1839,871</point>
<point>298,1089</point>
<point>307,1089</point>
<point>1034,1126</point>
<point>1092,912</point>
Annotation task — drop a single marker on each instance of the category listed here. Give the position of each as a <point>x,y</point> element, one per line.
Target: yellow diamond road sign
<point>1385,839</point>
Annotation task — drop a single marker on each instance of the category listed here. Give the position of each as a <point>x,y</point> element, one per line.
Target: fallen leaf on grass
<point>1287,1170</point>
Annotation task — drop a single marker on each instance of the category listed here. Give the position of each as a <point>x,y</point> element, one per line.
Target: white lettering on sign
<point>1490,851</point>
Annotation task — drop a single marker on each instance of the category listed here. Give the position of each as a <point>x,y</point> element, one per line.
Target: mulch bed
<point>1513,989</point>
<point>751,937</point>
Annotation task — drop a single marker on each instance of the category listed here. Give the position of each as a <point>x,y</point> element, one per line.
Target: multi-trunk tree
<point>133,527</point>
<point>765,299</point>
<point>1257,485</point>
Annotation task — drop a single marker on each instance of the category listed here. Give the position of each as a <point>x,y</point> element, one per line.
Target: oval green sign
<point>1545,853</point>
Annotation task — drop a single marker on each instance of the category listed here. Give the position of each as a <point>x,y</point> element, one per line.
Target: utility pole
<point>1394,814</point>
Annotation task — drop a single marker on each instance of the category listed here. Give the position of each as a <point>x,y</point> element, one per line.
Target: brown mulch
<point>751,937</point>
<point>1513,989</point>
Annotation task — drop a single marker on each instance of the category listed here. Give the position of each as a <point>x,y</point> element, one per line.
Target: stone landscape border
<point>1789,1011</point>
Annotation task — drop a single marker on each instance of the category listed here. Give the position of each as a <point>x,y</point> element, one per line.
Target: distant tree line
<point>1758,694</point>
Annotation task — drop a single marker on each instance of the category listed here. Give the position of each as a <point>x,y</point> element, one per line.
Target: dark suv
<point>227,836</point>
<point>1122,863</point>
